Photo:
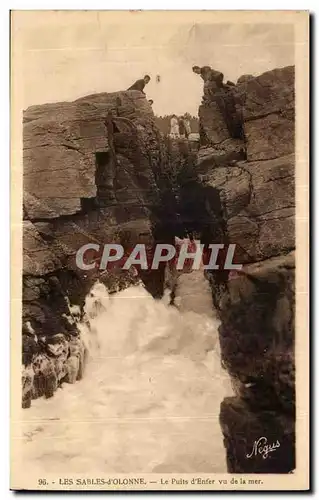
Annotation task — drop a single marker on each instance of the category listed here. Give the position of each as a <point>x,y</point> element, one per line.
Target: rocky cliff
<point>89,177</point>
<point>96,170</point>
<point>247,155</point>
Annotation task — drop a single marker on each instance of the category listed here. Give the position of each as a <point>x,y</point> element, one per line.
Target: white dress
<point>174,132</point>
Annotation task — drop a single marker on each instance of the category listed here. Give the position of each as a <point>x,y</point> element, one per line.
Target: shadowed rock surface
<point>256,305</point>
<point>88,178</point>
<point>96,170</point>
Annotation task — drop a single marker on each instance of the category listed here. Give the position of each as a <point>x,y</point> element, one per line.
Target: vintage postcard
<point>160,178</point>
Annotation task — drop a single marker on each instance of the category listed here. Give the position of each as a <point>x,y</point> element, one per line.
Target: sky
<point>64,55</point>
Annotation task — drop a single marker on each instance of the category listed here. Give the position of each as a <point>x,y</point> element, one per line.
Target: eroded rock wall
<point>256,305</point>
<point>84,182</point>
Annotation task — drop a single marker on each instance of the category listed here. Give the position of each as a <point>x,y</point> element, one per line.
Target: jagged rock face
<point>69,139</point>
<point>268,106</point>
<point>82,184</point>
<point>63,145</point>
<point>256,306</point>
<point>258,202</point>
<point>257,114</point>
<point>58,360</point>
<point>257,195</point>
<point>259,303</point>
<point>257,348</point>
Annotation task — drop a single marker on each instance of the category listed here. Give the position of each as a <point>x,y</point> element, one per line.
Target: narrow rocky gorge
<point>98,170</point>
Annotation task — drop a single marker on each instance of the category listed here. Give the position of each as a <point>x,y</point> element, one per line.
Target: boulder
<point>38,257</point>
<point>258,111</point>
<point>270,93</point>
<point>271,136</point>
<point>257,315</point>
<point>258,203</point>
<point>48,361</point>
<point>45,379</point>
<point>63,144</point>
<point>27,385</point>
<point>227,153</point>
<point>268,104</point>
<point>212,123</point>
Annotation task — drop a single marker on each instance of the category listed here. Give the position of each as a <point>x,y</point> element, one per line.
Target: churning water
<point>150,397</point>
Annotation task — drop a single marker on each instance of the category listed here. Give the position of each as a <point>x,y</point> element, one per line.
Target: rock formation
<point>88,178</point>
<point>253,173</point>
<point>98,170</point>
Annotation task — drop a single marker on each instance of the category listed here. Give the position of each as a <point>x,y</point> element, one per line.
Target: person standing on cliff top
<point>140,84</point>
<point>216,91</point>
<point>213,80</point>
<point>207,73</point>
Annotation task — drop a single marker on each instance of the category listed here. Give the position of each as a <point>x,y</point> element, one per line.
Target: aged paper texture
<point>159,335</point>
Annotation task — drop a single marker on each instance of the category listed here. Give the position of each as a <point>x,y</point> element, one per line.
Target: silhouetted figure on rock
<point>244,79</point>
<point>213,80</point>
<point>140,84</point>
<point>220,93</point>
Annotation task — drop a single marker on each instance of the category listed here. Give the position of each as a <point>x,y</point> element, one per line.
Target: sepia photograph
<point>159,221</point>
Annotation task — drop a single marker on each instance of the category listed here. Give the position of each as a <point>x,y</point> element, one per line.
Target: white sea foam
<point>150,397</point>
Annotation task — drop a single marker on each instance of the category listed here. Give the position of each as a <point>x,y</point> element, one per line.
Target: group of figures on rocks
<point>214,91</point>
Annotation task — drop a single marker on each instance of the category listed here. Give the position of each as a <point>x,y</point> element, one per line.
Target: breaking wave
<point>151,394</point>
